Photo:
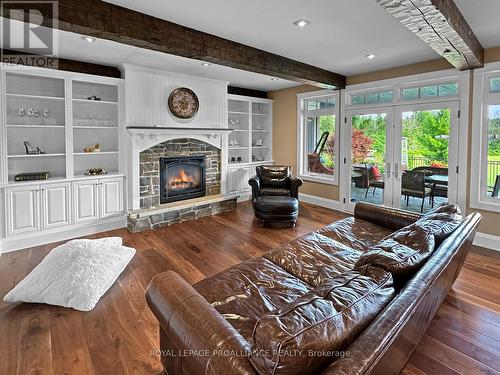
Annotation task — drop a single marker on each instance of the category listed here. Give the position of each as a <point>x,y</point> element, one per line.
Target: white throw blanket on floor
<point>75,274</point>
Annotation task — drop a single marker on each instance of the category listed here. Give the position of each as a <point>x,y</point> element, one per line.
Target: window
<point>318,132</point>
<point>432,91</point>
<point>485,181</point>
<point>373,97</point>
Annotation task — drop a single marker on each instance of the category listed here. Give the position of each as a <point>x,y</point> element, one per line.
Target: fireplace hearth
<point>182,177</point>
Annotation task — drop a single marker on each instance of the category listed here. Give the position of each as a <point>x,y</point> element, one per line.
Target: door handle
<point>396,170</point>
<point>388,170</point>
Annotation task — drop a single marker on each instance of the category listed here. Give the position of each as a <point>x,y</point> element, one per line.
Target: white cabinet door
<point>111,197</point>
<point>85,201</point>
<point>55,205</point>
<point>233,180</point>
<point>23,214</point>
<point>244,177</point>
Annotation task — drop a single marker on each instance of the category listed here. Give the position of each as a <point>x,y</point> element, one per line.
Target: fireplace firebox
<point>182,177</point>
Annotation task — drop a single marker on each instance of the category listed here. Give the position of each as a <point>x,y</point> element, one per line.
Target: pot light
<point>274,79</point>
<point>205,64</point>
<point>88,39</point>
<point>301,23</point>
<point>371,56</point>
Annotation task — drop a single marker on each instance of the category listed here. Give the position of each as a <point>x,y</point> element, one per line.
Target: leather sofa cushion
<point>355,233</point>
<point>402,253</point>
<point>274,176</point>
<point>245,292</point>
<point>441,221</point>
<point>302,336</point>
<point>314,258</point>
<point>269,191</point>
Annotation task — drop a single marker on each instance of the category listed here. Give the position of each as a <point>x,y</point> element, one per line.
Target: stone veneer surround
<point>149,164</point>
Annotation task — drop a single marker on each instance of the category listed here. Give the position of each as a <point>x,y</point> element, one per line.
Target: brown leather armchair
<point>274,180</point>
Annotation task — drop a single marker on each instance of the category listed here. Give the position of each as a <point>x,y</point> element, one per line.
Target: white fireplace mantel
<point>141,138</point>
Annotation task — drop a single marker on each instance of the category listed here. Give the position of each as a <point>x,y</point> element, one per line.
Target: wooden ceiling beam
<point>108,21</point>
<point>440,24</point>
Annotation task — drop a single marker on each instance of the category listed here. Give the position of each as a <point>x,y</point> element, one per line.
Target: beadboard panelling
<point>147,94</point>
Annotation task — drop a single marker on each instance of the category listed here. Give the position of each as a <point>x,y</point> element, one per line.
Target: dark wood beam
<point>440,24</point>
<point>68,65</point>
<point>108,21</point>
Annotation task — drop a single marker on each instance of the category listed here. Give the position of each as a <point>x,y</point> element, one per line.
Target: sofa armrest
<point>390,218</point>
<point>295,183</point>
<point>254,182</point>
<point>194,334</point>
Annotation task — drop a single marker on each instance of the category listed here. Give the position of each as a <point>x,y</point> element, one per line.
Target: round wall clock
<point>183,103</point>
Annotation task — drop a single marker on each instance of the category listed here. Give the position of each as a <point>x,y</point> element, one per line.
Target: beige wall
<point>285,127</point>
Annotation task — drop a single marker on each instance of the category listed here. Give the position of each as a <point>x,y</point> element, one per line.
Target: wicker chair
<point>413,185</point>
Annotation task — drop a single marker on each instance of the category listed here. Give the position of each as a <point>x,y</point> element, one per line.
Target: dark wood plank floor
<point>118,335</point>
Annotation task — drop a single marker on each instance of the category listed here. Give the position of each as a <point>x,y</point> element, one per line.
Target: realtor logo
<point>29,33</point>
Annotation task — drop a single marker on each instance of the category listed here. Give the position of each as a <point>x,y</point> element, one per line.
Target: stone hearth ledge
<point>177,212</point>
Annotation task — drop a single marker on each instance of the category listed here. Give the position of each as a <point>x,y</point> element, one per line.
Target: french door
<point>402,156</point>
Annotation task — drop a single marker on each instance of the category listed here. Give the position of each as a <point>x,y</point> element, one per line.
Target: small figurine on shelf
<point>94,97</point>
<point>93,148</point>
<point>32,150</point>
<point>95,171</point>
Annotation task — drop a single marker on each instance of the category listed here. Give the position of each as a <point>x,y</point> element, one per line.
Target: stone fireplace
<point>178,169</point>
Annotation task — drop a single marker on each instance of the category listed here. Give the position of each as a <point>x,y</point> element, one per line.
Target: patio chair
<point>375,179</point>
<point>437,190</point>
<point>413,185</point>
<point>496,188</point>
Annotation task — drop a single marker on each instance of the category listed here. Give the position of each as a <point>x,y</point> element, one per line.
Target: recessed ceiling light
<point>88,39</point>
<point>371,56</point>
<point>274,79</point>
<point>205,64</point>
<point>301,23</point>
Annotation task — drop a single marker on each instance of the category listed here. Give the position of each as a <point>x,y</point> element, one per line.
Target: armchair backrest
<point>429,171</point>
<point>413,180</point>
<point>274,175</point>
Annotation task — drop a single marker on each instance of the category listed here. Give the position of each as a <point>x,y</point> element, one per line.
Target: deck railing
<point>493,168</point>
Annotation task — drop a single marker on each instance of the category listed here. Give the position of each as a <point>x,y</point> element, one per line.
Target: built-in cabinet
<point>250,144</point>
<point>65,124</point>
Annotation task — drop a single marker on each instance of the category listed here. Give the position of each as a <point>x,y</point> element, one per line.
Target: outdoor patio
<point>358,195</point>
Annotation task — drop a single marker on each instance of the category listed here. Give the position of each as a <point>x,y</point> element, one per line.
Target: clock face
<point>183,103</point>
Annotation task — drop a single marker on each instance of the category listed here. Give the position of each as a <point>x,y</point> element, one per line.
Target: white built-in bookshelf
<point>52,111</point>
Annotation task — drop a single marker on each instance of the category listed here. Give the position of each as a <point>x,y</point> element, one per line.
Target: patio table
<point>437,179</point>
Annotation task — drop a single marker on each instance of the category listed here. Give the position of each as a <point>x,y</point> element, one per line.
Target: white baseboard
<point>42,238</point>
<point>320,201</point>
<point>488,241</point>
<point>243,197</point>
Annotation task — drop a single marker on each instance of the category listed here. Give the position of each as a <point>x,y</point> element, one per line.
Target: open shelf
<point>87,101</point>
<point>35,156</point>
<point>36,126</point>
<point>95,153</point>
<point>40,97</point>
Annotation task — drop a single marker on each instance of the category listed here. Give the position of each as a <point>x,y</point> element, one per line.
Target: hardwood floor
<point>118,335</point>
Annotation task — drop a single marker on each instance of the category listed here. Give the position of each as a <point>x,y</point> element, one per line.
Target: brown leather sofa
<point>352,298</point>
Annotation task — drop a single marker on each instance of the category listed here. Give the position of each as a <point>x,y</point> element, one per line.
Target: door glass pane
<point>448,89</point>
<point>495,84</point>
<point>410,94</point>
<point>321,145</point>
<point>358,99</point>
<point>493,175</point>
<point>386,96</point>
<point>428,92</point>
<point>424,159</point>
<point>368,142</point>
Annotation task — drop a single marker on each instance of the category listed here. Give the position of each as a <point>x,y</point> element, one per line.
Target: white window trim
<point>301,136</point>
<point>482,99</point>
<point>421,79</point>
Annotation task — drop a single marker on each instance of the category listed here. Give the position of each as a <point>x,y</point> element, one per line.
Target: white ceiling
<point>483,16</point>
<point>341,33</point>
